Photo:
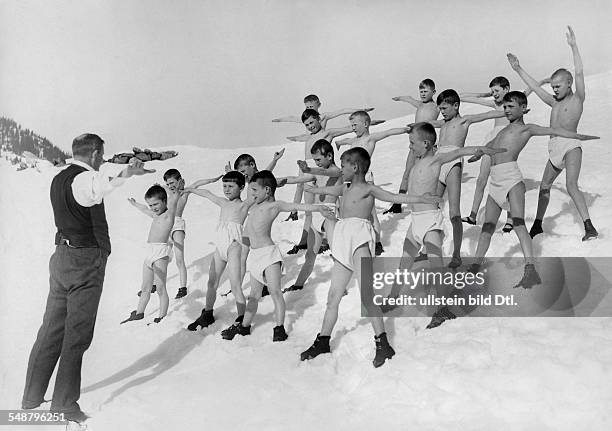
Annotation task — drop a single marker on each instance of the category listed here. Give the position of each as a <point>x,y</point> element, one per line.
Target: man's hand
<point>303,166</point>
<point>514,61</point>
<point>135,167</point>
<point>571,37</point>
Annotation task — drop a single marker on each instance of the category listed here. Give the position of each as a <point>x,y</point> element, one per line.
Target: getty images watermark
<point>570,286</point>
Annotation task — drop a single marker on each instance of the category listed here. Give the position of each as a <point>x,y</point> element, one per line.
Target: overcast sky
<point>214,73</point>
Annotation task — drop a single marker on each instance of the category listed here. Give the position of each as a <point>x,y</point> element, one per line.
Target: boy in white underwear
<point>176,183</point>
<point>353,239</point>
<point>228,241</point>
<point>312,102</point>
<point>563,153</point>
<point>453,131</point>
<point>162,209</point>
<point>312,122</point>
<point>507,188</point>
<point>265,259</point>
<point>426,110</point>
<point>360,124</point>
<point>325,174</point>
<point>425,228</point>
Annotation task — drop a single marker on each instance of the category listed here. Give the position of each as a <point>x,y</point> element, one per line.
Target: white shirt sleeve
<point>90,187</point>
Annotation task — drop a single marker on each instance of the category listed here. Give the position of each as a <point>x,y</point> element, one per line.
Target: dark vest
<point>81,226</point>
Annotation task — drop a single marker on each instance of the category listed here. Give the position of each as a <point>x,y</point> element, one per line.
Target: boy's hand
<point>514,61</point>
<point>586,137</point>
<point>278,154</point>
<point>303,166</point>
<point>132,201</point>
<point>409,127</point>
<point>571,37</point>
<point>327,212</point>
<point>396,98</point>
<point>367,109</point>
<point>228,167</point>
<point>428,198</point>
<point>281,182</point>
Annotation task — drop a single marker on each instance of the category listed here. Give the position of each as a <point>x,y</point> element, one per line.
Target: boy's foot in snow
<point>530,277</point>
<point>440,316</point>
<point>279,333</point>
<point>133,316</point>
<point>589,231</point>
<point>292,288</point>
<point>536,228</point>
<point>384,350</point>
<point>182,291</point>
<point>206,319</point>
<point>235,329</point>
<point>320,346</point>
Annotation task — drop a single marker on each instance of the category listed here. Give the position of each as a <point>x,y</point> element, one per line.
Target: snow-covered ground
<point>469,374</point>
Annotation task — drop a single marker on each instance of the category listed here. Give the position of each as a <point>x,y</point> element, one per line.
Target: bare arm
<point>329,190</point>
<point>532,83</point>
<point>141,207</point>
<point>292,207</point>
<point>206,194</point>
<point>334,133</point>
<point>203,182</point>
<point>275,158</point>
<point>477,98</point>
<point>578,69</point>
<point>288,119</point>
<point>173,198</point>
<point>332,171</point>
<point>346,111</point>
<point>386,133</point>
<point>342,142</point>
<point>383,195</point>
<point>408,99</point>
<point>299,138</point>
<point>296,180</point>
<point>536,130</point>
<point>489,115</point>
<point>467,151</point>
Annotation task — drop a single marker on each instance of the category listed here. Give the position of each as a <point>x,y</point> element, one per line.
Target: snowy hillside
<point>469,374</point>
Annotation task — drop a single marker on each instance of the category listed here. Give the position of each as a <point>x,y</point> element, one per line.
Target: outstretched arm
<point>478,152</point>
<point>489,115</point>
<point>408,99</point>
<point>332,171</point>
<point>345,141</point>
<point>390,132</point>
<point>292,207</point>
<point>346,111</point>
<point>532,83</point>
<point>536,130</point>
<point>334,133</point>
<point>329,190</point>
<point>295,180</point>
<point>173,198</point>
<point>203,182</point>
<point>288,119</point>
<point>383,195</point>
<point>299,138</point>
<point>578,70</point>
<point>275,158</point>
<point>206,194</point>
<point>141,207</point>
<point>477,98</point>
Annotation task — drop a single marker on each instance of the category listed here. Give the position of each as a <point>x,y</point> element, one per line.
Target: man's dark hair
<point>85,144</point>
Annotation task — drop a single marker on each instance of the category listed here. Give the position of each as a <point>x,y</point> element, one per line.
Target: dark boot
<point>530,277</point>
<point>181,293</point>
<point>384,350</point>
<point>589,230</point>
<point>279,333</point>
<point>320,346</point>
<point>235,329</point>
<point>205,319</point>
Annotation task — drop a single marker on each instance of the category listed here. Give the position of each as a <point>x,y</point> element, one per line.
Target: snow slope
<point>470,374</point>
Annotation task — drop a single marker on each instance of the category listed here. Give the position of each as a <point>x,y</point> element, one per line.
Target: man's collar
<point>82,164</point>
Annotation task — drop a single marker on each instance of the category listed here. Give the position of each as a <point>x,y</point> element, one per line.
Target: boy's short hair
<point>448,96</point>
<point>84,145</point>
<point>172,173</point>
<point>425,131</point>
<point>500,81</point>
<point>265,179</point>
<point>244,158</point>
<point>357,156</point>
<point>363,115</point>
<point>427,83</point>
<point>310,113</point>
<point>564,73</point>
<point>323,147</point>
<point>311,98</point>
<point>516,96</point>
<point>234,177</point>
<point>156,191</point>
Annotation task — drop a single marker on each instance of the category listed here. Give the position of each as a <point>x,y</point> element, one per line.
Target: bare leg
<point>573,164</point>
<point>340,278</point>
<point>516,197</point>
<point>548,178</point>
<point>160,268</point>
<point>492,213</point>
<point>314,243</point>
<point>217,266</point>
<point>253,303</point>
<point>178,238</point>
<point>233,266</point>
<point>145,288</point>
<point>453,183</point>
<point>481,183</point>
<point>273,281</point>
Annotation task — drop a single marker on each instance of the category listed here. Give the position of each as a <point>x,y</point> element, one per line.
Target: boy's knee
<point>518,221</point>
<point>544,190</point>
<point>456,220</point>
<point>481,182</point>
<point>488,227</point>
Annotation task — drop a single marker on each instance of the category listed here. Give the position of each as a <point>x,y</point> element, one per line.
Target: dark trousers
<point>75,285</point>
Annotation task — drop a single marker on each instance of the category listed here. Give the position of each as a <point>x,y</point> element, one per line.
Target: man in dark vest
<point>76,275</point>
